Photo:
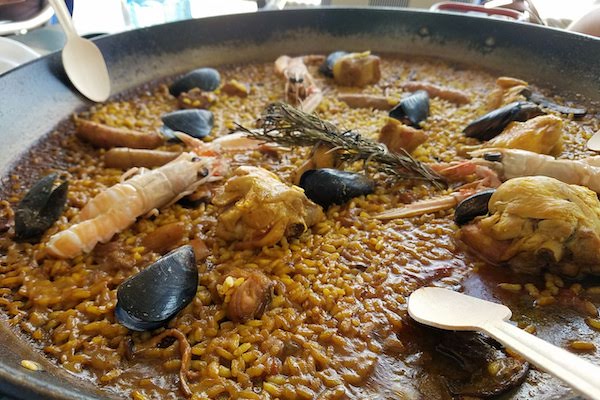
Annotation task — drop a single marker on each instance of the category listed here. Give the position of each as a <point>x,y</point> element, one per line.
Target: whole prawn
<point>116,208</point>
<point>512,163</point>
<point>300,87</point>
<point>495,165</point>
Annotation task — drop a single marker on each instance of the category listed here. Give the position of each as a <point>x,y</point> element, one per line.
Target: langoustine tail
<point>84,236</point>
<point>120,195</point>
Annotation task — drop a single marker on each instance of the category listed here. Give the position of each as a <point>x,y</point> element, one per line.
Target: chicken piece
<point>395,135</point>
<point>164,238</point>
<point>537,223</point>
<point>235,88</point>
<point>261,210</point>
<point>245,294</point>
<point>125,158</point>
<point>357,69</point>
<point>322,156</point>
<point>542,134</point>
<point>508,90</point>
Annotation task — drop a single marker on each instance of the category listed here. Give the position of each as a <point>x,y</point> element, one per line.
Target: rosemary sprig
<point>288,126</point>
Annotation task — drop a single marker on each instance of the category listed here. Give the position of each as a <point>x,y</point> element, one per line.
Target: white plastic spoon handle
<point>62,13</point>
<point>578,373</point>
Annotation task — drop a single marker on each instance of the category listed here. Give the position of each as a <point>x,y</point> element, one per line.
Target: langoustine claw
<point>453,172</point>
<point>452,95</point>
<point>106,136</point>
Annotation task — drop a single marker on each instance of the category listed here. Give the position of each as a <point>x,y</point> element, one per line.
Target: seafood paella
<point>254,231</point>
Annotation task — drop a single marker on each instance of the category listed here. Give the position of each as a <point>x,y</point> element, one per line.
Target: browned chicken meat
<point>357,69</point>
<point>536,223</point>
<point>259,209</point>
<point>542,134</point>
<point>508,90</point>
<point>245,294</point>
<point>396,136</point>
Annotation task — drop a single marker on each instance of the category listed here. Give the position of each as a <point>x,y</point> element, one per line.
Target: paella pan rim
<point>551,58</point>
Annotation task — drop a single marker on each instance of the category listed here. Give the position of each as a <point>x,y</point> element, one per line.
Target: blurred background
<point>28,27</point>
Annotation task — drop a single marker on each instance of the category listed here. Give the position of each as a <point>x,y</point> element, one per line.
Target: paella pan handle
<point>578,373</point>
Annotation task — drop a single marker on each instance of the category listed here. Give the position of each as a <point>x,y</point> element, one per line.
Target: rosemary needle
<point>288,126</point>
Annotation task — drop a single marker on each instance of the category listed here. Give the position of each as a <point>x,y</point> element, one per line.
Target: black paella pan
<point>36,97</point>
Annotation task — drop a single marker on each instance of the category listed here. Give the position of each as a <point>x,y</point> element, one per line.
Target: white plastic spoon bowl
<point>594,142</point>
<point>82,60</point>
<point>447,309</point>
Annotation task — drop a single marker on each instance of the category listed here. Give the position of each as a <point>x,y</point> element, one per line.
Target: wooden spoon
<point>447,309</point>
<point>82,59</point>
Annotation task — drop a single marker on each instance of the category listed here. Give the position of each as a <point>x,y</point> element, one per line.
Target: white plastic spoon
<point>82,59</point>
<point>594,142</point>
<point>447,309</point>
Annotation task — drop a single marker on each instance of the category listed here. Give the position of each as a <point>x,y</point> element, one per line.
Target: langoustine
<point>300,86</point>
<point>512,163</point>
<point>114,209</point>
<point>496,165</point>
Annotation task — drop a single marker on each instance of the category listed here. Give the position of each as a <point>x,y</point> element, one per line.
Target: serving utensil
<point>82,60</point>
<point>594,142</point>
<point>447,309</point>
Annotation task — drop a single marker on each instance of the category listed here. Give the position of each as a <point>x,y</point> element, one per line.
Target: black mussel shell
<point>329,186</point>
<point>207,79</point>
<point>550,105</point>
<point>151,298</point>
<point>473,206</point>
<point>464,357</point>
<point>196,123</point>
<point>40,208</point>
<point>493,123</point>
<point>327,67</point>
<point>412,109</point>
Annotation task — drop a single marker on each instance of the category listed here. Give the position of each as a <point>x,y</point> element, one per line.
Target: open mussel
<point>206,79</point>
<point>40,208</point>
<point>461,365</point>
<point>151,298</point>
<point>493,123</point>
<point>413,109</point>
<point>473,206</point>
<point>550,105</point>
<point>327,186</point>
<point>327,67</point>
<point>467,358</point>
<point>196,123</point>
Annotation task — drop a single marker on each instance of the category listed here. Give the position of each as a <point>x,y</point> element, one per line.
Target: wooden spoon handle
<point>62,13</point>
<point>578,373</point>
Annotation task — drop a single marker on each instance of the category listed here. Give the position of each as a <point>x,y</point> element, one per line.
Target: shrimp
<point>116,208</point>
<point>300,87</point>
<point>512,163</point>
<point>453,172</point>
<point>494,165</point>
